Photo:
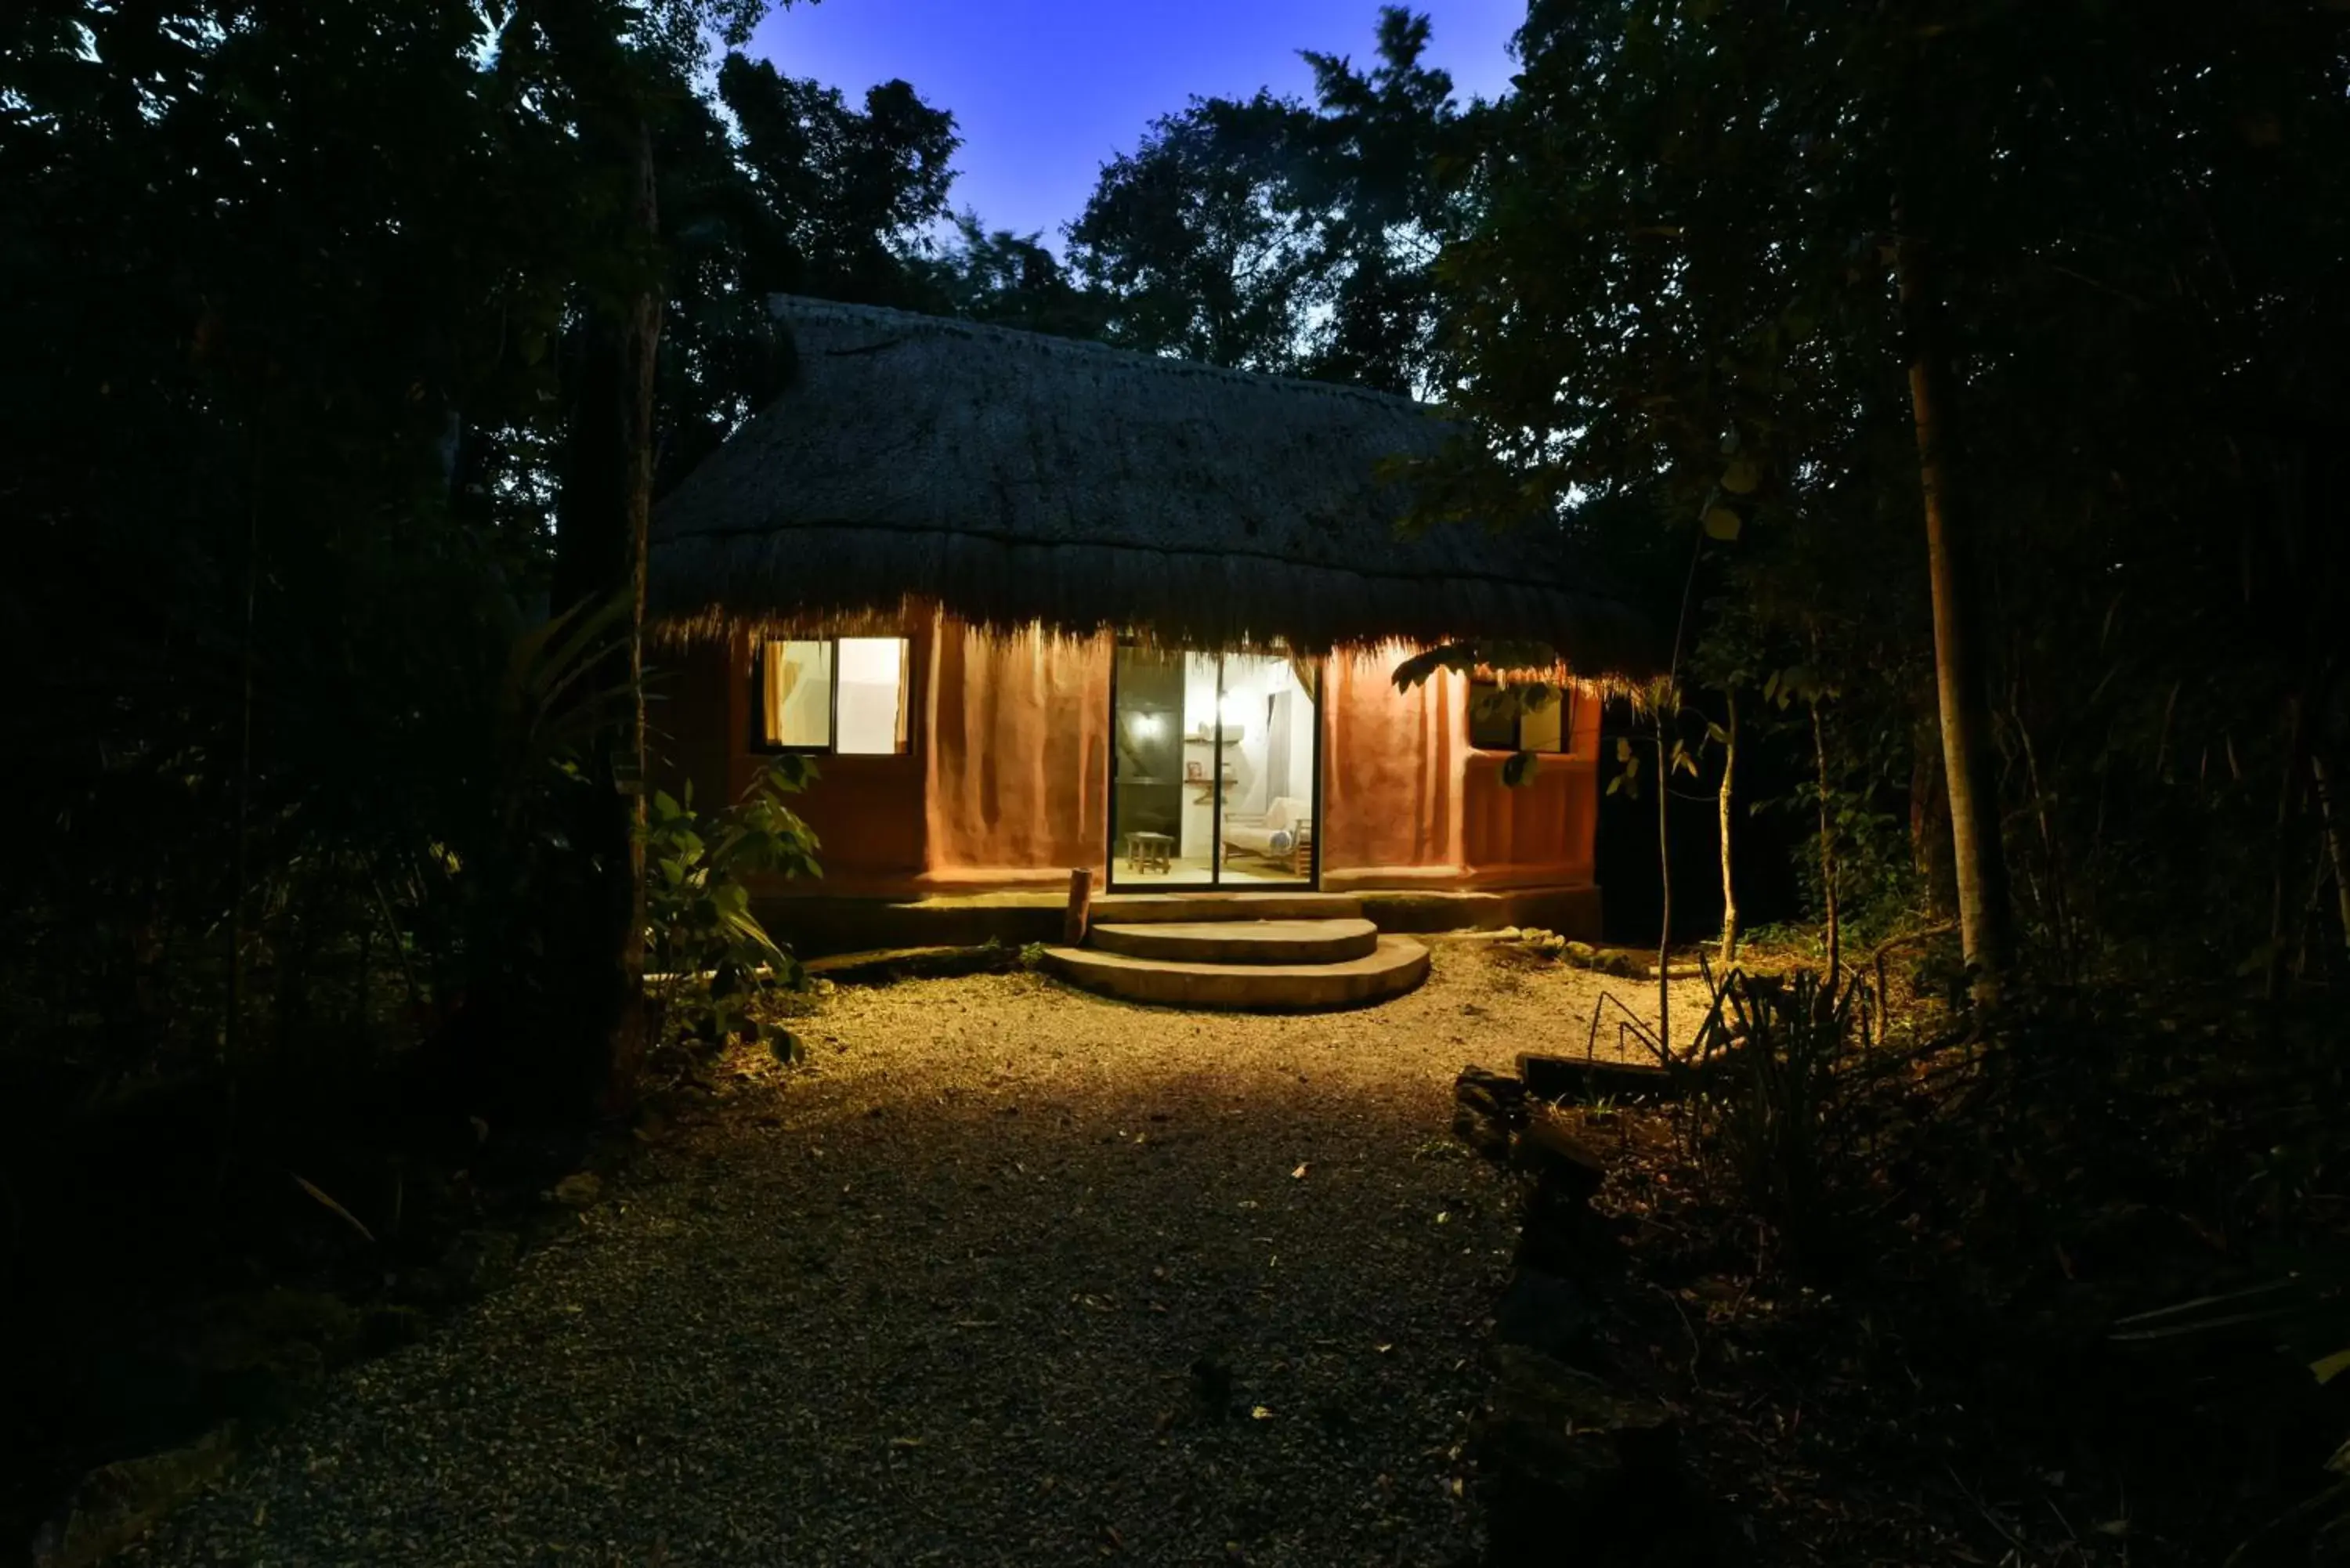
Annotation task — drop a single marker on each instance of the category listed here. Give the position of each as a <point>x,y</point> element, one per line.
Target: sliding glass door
<point>1215,769</point>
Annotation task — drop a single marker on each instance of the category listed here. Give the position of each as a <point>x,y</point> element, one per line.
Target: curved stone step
<point>1126,908</point>
<point>1239,941</point>
<point>1393,967</point>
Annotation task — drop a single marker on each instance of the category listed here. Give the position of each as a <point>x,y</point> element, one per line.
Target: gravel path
<point>1008,1275</point>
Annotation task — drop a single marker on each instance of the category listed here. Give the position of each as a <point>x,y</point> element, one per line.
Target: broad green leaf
<point>1721,523</point>
<point>1740,478</point>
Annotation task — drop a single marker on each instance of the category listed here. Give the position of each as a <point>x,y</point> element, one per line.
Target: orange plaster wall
<point>1547,829</point>
<point>1405,800</point>
<point>1005,778</point>
<point>867,811</point>
<point>1019,762</point>
<point>1390,770</point>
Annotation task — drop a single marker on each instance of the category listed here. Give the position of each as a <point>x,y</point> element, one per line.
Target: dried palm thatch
<point>1016,479</point>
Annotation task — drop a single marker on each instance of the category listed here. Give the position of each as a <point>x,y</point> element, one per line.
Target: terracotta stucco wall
<point>1406,799</point>
<point>1018,765</point>
<point>1004,781</point>
<point>1544,831</point>
<point>1391,772</point>
<point>867,811</point>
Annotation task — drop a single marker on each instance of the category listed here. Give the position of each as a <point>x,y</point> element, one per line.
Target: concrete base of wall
<point>818,925</point>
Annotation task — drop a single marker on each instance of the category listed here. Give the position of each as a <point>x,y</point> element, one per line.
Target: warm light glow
<point>1145,726</point>
<point>870,697</point>
<point>1233,710</point>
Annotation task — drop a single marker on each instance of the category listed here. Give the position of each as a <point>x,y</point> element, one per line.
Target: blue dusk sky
<point>1045,93</point>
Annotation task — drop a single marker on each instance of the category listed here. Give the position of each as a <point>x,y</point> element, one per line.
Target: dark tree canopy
<point>1276,235</point>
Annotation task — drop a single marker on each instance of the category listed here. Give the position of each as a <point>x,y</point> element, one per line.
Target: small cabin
<point>1038,605</point>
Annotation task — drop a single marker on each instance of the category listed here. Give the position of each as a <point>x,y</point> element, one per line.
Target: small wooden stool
<point>1147,852</point>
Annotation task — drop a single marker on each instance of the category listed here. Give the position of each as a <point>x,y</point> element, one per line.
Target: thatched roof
<point>1016,479</point>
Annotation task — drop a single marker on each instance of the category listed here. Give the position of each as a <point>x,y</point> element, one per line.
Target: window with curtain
<point>846,695</point>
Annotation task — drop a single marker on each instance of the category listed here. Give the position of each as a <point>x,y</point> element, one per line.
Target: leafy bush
<point>1781,1083</point>
<point>708,958</point>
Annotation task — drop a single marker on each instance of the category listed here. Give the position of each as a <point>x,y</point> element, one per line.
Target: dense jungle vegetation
<point>1963,386</point>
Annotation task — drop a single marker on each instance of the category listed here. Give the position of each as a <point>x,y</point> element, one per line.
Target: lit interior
<point>1194,727</point>
<point>872,706</point>
<point>799,693</point>
<point>847,697</point>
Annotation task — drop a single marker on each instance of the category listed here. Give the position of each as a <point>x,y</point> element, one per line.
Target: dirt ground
<point>1001,1273</point>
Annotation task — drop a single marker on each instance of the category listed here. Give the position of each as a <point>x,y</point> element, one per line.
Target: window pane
<point>1489,731</point>
<point>872,695</point>
<point>1540,731</point>
<point>797,693</point>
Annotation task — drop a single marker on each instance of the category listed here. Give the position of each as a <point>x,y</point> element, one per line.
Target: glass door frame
<point>1215,883</point>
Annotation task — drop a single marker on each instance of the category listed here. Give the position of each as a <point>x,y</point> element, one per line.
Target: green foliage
<point>1275,235</point>
<point>1503,700</point>
<point>299,296</point>
<point>1010,280</point>
<point>713,958</point>
<point>805,194</point>
<point>1627,780</point>
<point>1782,1084</point>
<point>1672,302</point>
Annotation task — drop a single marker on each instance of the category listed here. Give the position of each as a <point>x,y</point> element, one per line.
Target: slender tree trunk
<point>1827,852</point>
<point>600,556</point>
<point>1728,883</point>
<point>1665,883</point>
<point>1978,860</point>
<point>1929,815</point>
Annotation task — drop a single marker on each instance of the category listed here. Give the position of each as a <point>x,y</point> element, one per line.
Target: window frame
<point>762,746</point>
<point>1566,702</point>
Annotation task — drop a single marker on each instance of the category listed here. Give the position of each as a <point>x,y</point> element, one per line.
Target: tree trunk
<point>600,546</point>
<point>1930,816</point>
<point>1665,884</point>
<point>1979,863</point>
<point>1827,852</point>
<point>1729,884</point>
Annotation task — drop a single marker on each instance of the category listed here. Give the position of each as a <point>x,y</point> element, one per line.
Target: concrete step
<point>1133,908</point>
<point>1239,941</point>
<point>1394,966</point>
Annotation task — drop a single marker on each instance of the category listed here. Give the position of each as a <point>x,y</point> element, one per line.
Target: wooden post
<point>1081,903</point>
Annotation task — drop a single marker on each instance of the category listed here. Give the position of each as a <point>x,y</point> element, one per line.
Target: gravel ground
<point>1006,1274</point>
